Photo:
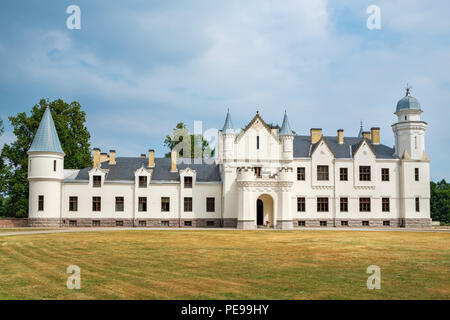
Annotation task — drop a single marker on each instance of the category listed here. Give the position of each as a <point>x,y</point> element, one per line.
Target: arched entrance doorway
<point>264,211</point>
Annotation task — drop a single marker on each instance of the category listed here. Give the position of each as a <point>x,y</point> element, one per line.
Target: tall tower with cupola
<point>45,175</point>
<point>410,129</point>
<point>414,165</point>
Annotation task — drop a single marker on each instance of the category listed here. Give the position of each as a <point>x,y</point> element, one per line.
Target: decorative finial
<point>285,111</point>
<point>257,112</point>
<point>361,125</point>
<point>408,89</point>
<point>228,109</point>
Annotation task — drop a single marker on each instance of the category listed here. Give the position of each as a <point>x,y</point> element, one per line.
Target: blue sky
<point>139,67</point>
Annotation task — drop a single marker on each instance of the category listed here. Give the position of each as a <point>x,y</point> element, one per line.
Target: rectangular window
<point>97,181</point>
<point>210,205</point>
<point>188,182</point>
<point>257,142</point>
<point>40,203</point>
<point>416,174</point>
<point>257,171</point>
<point>365,223</point>
<point>343,174</point>
<point>301,205</point>
<point>385,174</point>
<point>344,223</point>
<point>417,205</point>
<point>323,223</point>
<point>187,204</point>
<point>54,165</point>
<point>322,173</point>
<point>301,174</point>
<point>119,204</point>
<point>72,223</point>
<point>96,223</point>
<point>301,223</point>
<point>96,204</point>
<point>142,223</point>
<point>364,204</point>
<point>119,223</point>
<point>385,204</point>
<point>344,204</point>
<point>364,173</point>
<point>165,204</point>
<point>73,203</point>
<point>142,204</point>
<point>210,223</point>
<point>322,204</point>
<point>386,223</point>
<point>142,181</point>
<point>188,223</point>
<point>165,223</point>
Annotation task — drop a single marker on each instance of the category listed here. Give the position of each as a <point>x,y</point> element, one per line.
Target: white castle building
<point>262,176</point>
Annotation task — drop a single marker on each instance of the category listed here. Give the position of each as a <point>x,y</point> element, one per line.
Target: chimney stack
<point>151,158</point>
<point>340,135</point>
<point>375,135</point>
<point>112,157</point>
<point>173,156</point>
<point>143,156</point>
<point>366,134</point>
<point>316,134</point>
<point>103,157</point>
<point>96,158</point>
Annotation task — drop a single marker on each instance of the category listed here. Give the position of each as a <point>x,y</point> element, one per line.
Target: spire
<point>360,134</point>
<point>46,138</point>
<point>228,126</point>
<point>285,127</point>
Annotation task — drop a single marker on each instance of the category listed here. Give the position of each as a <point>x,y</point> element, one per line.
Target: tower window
<point>54,165</point>
<point>416,174</point>
<point>210,204</point>
<point>384,174</point>
<point>343,174</point>
<point>41,203</point>
<point>301,173</point>
<point>257,171</point>
<point>344,205</point>
<point>257,142</point>
<point>406,118</point>
<point>417,204</point>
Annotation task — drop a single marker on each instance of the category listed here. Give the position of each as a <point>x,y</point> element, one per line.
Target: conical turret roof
<point>285,127</point>
<point>46,138</point>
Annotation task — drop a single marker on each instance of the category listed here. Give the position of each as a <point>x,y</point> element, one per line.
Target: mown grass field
<point>226,264</point>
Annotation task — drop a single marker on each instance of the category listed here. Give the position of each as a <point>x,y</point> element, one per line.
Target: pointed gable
<point>323,145</point>
<point>46,138</point>
<point>256,119</point>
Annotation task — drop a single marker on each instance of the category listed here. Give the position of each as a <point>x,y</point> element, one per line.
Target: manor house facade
<point>262,177</point>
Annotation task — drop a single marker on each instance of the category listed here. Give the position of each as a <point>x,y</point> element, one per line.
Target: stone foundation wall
<point>358,223</point>
<point>13,222</point>
<point>43,222</point>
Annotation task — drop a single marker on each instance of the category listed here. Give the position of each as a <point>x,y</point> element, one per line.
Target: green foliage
<point>198,147</point>
<point>440,201</point>
<point>74,137</point>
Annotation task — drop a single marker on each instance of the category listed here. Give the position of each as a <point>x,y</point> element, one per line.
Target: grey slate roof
<point>302,146</point>
<point>125,167</point>
<point>46,138</point>
<point>228,125</point>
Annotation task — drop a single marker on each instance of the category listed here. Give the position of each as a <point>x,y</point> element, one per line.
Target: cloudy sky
<point>139,67</point>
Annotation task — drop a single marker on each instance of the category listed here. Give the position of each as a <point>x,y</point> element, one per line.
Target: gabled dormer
<point>188,178</point>
<point>142,177</point>
<point>322,164</point>
<point>364,163</point>
<point>97,177</point>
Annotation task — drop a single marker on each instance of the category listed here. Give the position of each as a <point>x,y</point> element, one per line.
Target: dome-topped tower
<point>410,129</point>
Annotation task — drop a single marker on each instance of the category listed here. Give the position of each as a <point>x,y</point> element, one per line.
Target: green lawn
<point>226,264</point>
